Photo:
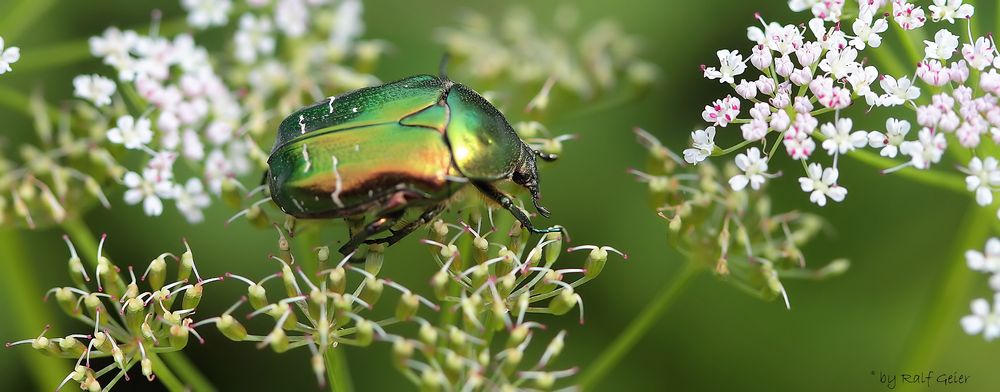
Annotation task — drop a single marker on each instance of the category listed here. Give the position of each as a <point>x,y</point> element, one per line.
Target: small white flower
<point>731,64</point>
<point>839,63</point>
<point>148,190</point>
<point>131,133</point>
<point>898,91</point>
<point>822,183</point>
<point>840,139</point>
<point>291,17</point>
<point>983,174</point>
<point>206,13</point>
<point>987,261</point>
<point>925,151</point>
<point>942,47</point>
<point>949,10</point>
<point>191,199</point>
<point>895,132</point>
<point>867,30</point>
<point>703,142</point>
<point>94,88</point>
<point>8,56</point>
<point>253,38</point>
<point>754,167</point>
<point>983,319</point>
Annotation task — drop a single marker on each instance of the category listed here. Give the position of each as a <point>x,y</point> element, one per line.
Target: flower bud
<point>156,274</point>
<point>67,301</point>
<point>511,361</point>
<point>428,334</point>
<point>479,275</point>
<point>72,346</point>
<point>178,336</point>
<point>505,285</point>
<point>135,313</point>
<point>288,278</point>
<point>283,311</point>
<point>453,364</point>
<point>402,351</point>
<point>338,280</point>
<point>521,303</point>
<point>497,313</point>
<point>341,309</point>
<point>552,250</point>
<point>365,332</point>
<point>371,291</point>
<point>187,265</point>
<point>517,336</point>
<point>231,193</point>
<point>257,296</point>
<point>456,338</point>
<point>278,340</point>
<point>407,306</point>
<point>257,216</point>
<point>431,380</point>
<point>192,296</point>
<point>505,265</point>
<point>441,283</point>
<point>374,258</point>
<point>563,302</point>
<point>147,368</point>
<point>231,328</point>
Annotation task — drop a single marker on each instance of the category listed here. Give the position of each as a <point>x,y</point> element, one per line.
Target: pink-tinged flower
<point>822,184</point>
<point>889,142</point>
<point>765,85</point>
<point>808,53</point>
<point>756,129</point>
<point>829,95</point>
<point>783,66</point>
<point>798,145</point>
<point>983,175</point>
<point>983,319</point>
<point>933,73</point>
<point>959,71</point>
<point>731,65</point>
<point>978,55</point>
<point>829,10</point>
<point>801,76</point>
<point>722,111</point>
<point>942,47</point>
<point>949,10</point>
<point>802,105</point>
<point>840,139</point>
<point>780,120</point>
<point>761,57</point>
<point>191,199</point>
<point>990,82</point>
<point>907,15</point>
<point>754,168</point>
<point>926,150</point>
<point>747,89</point>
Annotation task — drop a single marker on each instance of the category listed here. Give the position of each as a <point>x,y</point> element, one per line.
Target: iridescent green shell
<point>401,144</point>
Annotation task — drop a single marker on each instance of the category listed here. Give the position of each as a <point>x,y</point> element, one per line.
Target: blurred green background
<point>900,236</point>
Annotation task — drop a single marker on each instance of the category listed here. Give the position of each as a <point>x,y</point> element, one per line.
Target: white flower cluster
<point>821,67</point>
<point>984,318</point>
<point>8,56</point>
<point>171,103</point>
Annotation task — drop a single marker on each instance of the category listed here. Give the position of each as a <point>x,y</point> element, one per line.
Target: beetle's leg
<point>425,217</point>
<point>380,224</point>
<point>505,201</point>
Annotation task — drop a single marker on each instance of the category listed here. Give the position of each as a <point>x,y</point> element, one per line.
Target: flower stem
<point>338,375</point>
<point>637,328</point>
<point>163,373</point>
<point>187,372</point>
<point>21,293</point>
<point>941,318</point>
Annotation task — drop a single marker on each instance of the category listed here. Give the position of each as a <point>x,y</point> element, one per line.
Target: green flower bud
<point>283,311</point>
<point>441,283</point>
<point>511,361</point>
<point>563,302</point>
<point>231,328</point>
<point>67,301</point>
<point>288,278</point>
<point>257,216</point>
<point>431,380</point>
<point>341,308</point>
<point>72,346</point>
<point>453,364</point>
<point>374,258</point>
<point>402,351</point>
<point>231,193</point>
<point>552,250</point>
<point>156,274</point>
<point>257,296</point>
<point>187,265</point>
<point>278,340</point>
<point>505,265</point>
<point>147,368</point>
<point>338,280</point>
<point>371,291</point>
<point>428,334</point>
<point>365,332</point>
<point>192,296</point>
<point>545,380</point>
<point>407,306</point>
<point>135,313</point>
<point>505,285</point>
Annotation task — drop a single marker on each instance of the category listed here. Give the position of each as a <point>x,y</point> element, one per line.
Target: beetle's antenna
<point>443,66</point>
<point>546,157</point>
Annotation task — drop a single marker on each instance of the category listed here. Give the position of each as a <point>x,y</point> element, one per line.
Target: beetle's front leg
<point>397,235</point>
<point>379,225</point>
<point>508,204</point>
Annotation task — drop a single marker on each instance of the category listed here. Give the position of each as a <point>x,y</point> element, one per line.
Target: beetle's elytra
<point>411,143</point>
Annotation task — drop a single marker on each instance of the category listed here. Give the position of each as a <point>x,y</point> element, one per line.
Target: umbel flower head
<point>130,319</point>
<point>798,86</point>
<point>734,232</point>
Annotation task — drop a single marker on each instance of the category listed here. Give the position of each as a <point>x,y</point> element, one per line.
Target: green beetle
<point>412,143</point>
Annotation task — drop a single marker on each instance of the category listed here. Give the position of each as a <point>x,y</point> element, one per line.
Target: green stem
<point>187,372</point>
<point>22,16</point>
<point>934,178</point>
<point>20,289</point>
<point>338,375</point>
<point>163,373</point>
<point>637,329</point>
<point>941,318</point>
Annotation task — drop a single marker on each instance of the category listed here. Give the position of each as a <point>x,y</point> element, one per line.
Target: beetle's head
<point>526,175</point>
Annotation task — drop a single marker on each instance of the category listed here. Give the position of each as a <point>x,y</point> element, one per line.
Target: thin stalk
<point>22,294</point>
<point>934,178</point>
<point>338,375</point>
<point>163,373</point>
<point>187,372</point>
<point>941,319</point>
<point>638,328</point>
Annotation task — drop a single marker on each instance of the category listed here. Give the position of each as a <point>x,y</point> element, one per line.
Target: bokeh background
<point>900,236</point>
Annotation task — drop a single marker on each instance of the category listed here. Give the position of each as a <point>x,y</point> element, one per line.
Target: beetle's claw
<point>541,210</point>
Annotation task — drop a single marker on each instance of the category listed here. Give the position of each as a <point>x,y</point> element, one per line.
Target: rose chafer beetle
<point>409,144</point>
